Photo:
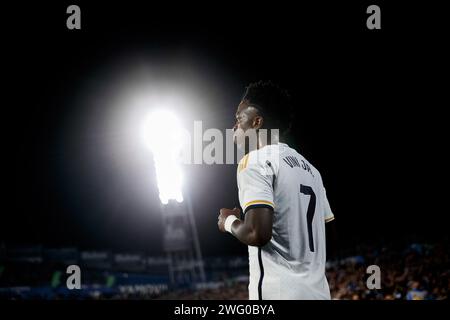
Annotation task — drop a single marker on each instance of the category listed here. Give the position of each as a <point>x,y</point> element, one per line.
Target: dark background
<point>368,114</point>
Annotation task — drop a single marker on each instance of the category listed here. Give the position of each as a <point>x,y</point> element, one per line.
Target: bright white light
<point>163,134</point>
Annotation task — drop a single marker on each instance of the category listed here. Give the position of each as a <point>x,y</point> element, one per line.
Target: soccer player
<point>284,204</point>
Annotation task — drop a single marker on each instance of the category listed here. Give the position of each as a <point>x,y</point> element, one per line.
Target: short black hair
<point>274,104</point>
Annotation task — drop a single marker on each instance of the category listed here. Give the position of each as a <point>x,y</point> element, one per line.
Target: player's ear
<point>258,122</point>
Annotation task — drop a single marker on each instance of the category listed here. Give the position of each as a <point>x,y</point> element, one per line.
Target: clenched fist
<point>224,213</point>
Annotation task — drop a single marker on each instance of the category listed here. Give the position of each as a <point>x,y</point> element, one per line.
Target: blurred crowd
<point>414,272</point>
<point>417,272</point>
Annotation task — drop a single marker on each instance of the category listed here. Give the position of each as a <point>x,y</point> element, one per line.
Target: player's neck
<point>265,142</point>
<point>262,144</point>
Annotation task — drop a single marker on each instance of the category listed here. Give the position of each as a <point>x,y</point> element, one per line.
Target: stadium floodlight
<point>163,134</point>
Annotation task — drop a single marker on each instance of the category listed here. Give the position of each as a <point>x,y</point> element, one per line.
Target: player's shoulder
<point>306,164</point>
<point>259,157</point>
<point>270,153</point>
<point>243,162</point>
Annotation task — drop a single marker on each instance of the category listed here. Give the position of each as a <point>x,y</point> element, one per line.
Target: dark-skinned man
<point>284,203</point>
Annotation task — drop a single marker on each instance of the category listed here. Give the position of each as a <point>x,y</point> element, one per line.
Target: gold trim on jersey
<point>258,202</point>
<point>329,219</point>
<point>243,163</point>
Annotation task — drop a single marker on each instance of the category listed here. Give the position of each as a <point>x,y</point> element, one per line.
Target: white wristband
<point>229,221</point>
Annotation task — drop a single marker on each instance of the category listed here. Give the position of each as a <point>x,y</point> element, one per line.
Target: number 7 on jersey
<point>310,212</point>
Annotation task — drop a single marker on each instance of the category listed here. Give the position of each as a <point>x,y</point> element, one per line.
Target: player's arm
<point>254,230</point>
<point>255,181</point>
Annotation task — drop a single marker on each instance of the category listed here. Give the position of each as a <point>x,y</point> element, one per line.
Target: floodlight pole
<point>198,252</point>
<point>183,252</point>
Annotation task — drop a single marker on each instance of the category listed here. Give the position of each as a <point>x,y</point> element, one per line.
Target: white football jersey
<point>292,264</point>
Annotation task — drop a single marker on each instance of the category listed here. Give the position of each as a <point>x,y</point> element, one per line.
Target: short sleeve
<point>255,180</point>
<point>328,214</point>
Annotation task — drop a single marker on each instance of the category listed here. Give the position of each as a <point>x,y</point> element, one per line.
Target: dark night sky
<point>368,115</point>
